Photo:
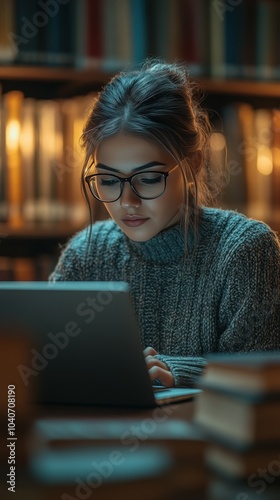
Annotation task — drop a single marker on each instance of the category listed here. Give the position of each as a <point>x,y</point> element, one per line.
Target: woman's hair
<point>159,101</point>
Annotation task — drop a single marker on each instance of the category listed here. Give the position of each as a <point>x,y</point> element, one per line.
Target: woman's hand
<point>157,369</point>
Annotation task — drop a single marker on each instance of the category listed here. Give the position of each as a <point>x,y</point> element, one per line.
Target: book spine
<point>110,35</point>
<point>216,43</point>
<point>235,190</point>
<point>247,148</point>
<point>49,152</point>
<point>139,34</point>
<point>26,38</point>
<point>275,181</point>
<point>7,26</point>
<point>263,127</point>
<point>248,40</point>
<point>12,112</point>
<point>93,29</point>
<point>264,68</point>
<point>124,32</point>
<point>234,38</point>
<point>3,166</point>
<point>27,151</point>
<point>191,36</point>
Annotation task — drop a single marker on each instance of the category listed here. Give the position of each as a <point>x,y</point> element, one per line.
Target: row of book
<point>239,411</point>
<point>37,268</point>
<point>245,160</point>
<point>41,159</point>
<point>218,38</point>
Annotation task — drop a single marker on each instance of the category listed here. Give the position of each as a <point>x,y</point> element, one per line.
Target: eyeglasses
<point>147,185</point>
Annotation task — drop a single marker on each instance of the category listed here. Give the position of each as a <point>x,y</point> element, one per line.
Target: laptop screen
<point>84,342</point>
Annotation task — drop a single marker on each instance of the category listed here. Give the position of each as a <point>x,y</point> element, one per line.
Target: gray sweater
<point>224,297</point>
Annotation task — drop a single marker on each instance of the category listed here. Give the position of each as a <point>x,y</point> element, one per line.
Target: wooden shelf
<point>241,87</point>
<point>98,76</point>
<point>53,74</point>
<point>38,230</point>
<point>53,82</point>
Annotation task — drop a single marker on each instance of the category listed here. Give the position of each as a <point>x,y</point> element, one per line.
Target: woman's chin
<point>138,234</point>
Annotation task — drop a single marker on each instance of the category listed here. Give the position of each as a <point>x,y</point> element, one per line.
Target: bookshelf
<point>233,85</point>
<point>62,82</point>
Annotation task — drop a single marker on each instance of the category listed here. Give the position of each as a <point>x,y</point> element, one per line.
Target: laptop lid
<point>85,345</point>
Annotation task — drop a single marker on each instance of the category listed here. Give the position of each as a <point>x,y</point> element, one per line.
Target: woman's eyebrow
<point>147,165</point>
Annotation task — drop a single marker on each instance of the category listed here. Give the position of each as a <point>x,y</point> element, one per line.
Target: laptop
<point>85,348</point>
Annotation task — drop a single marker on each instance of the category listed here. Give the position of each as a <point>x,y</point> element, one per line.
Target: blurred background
<point>55,55</point>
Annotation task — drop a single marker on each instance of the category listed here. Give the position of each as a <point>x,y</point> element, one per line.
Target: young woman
<point>202,280</point>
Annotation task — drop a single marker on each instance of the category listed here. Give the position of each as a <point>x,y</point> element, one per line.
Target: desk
<point>144,454</point>
<point>158,465</point>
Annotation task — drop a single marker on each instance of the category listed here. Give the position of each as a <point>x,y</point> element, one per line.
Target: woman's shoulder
<point>231,222</point>
<point>98,235</point>
<point>97,240</point>
<point>234,230</point>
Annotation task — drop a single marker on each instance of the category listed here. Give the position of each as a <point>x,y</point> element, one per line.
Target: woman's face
<point>140,219</point>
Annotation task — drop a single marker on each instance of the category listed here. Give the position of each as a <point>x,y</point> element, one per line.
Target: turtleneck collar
<point>166,247</point>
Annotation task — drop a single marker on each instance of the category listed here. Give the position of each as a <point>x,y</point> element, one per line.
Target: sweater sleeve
<point>185,369</point>
<point>248,311</point>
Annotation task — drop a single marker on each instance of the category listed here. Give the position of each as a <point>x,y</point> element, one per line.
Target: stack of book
<point>239,409</point>
<point>131,438</point>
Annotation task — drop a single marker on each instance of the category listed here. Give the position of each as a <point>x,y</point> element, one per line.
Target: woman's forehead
<point>130,149</point>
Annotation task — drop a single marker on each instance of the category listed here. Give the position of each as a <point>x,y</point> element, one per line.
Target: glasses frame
<point>129,180</point>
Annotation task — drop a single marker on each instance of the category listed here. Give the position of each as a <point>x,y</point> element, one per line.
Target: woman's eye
<point>109,182</point>
<point>150,180</point>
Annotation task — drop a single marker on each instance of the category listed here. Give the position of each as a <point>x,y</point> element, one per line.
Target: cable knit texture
<point>223,297</point>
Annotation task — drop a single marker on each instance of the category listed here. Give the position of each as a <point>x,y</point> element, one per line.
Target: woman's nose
<point>128,197</point>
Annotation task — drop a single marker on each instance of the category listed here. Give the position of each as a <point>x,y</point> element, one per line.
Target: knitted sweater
<point>224,297</point>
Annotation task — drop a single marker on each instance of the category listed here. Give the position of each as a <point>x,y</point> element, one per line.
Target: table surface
<point>182,410</point>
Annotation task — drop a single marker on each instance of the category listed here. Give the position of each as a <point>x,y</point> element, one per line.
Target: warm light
<point>265,161</point>
<point>27,139</point>
<point>12,135</point>
<point>276,157</point>
<point>217,141</point>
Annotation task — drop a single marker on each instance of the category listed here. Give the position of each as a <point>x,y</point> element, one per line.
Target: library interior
<point>56,56</point>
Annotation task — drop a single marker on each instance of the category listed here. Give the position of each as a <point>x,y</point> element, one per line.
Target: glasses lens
<point>105,187</point>
<point>149,185</point>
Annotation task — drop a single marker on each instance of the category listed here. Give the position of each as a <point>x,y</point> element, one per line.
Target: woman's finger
<point>165,376</point>
<point>149,351</point>
<point>152,361</point>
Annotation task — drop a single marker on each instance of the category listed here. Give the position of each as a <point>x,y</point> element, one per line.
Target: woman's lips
<point>134,221</point>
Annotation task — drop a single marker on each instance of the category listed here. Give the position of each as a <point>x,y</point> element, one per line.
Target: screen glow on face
<point>125,155</point>
<point>108,188</point>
